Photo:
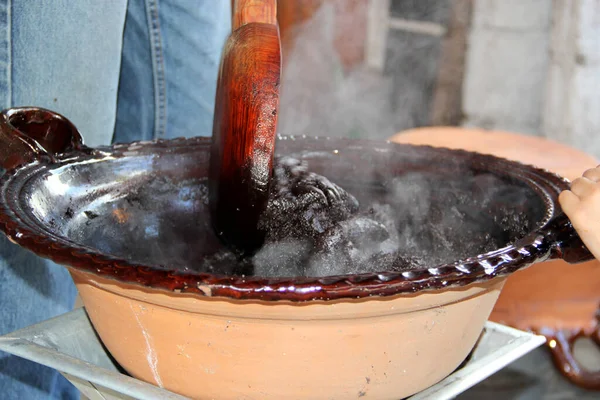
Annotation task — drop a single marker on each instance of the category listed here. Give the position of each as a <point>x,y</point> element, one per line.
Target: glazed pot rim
<point>542,243</point>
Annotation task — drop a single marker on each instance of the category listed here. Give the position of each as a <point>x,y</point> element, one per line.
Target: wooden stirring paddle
<point>245,123</point>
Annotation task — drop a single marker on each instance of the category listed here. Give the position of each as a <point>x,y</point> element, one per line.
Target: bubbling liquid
<point>361,221</point>
<point>313,227</point>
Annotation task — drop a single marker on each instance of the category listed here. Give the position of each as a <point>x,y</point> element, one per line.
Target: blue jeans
<point>121,71</point>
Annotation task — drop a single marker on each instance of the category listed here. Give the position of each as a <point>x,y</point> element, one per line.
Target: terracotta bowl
<point>126,220</point>
<point>543,299</point>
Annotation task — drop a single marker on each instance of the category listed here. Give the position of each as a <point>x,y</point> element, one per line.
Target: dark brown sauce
<point>312,226</point>
<point>316,228</point>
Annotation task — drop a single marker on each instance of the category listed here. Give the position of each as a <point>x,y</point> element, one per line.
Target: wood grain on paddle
<point>249,11</point>
<point>245,125</point>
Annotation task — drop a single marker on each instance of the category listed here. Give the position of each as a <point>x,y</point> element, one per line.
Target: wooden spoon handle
<point>248,11</point>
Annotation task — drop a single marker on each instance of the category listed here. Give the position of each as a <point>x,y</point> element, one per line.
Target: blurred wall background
<point>370,68</point>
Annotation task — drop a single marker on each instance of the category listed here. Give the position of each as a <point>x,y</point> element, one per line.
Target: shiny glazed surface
<point>49,207</point>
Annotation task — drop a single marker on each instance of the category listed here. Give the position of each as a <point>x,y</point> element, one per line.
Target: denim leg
<point>66,56</point>
<point>31,290</point>
<point>194,33</point>
<point>171,54</point>
<point>63,55</point>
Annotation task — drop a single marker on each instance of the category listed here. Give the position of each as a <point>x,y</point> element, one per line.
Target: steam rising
<point>322,98</point>
<point>413,220</point>
<point>337,221</point>
<point>352,221</point>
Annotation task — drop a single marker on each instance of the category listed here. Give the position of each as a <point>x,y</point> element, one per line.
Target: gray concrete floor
<point>534,377</point>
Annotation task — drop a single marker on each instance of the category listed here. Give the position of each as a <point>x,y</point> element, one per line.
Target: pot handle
<point>28,134</point>
<point>561,346</point>
<point>568,245</point>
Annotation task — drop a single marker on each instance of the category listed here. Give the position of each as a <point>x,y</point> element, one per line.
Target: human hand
<point>582,206</point>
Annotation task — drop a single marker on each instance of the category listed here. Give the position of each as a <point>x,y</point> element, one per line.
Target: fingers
<point>584,187</point>
<point>587,184</point>
<point>582,205</point>
<point>568,201</point>
<point>592,174</point>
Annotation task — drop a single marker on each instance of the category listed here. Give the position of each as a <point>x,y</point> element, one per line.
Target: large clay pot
<point>219,348</point>
<point>127,221</point>
<point>542,298</point>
